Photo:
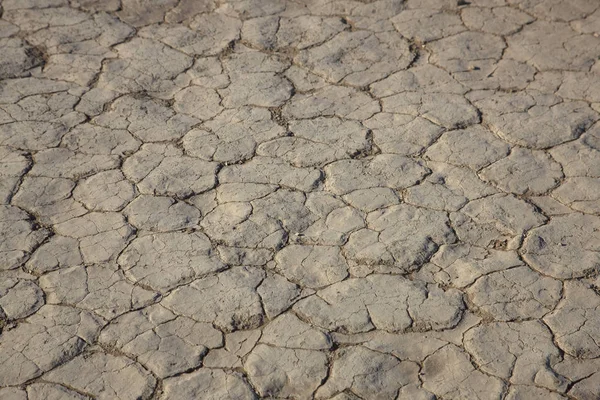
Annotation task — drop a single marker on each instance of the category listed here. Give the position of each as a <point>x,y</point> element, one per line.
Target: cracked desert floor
<point>300,199</point>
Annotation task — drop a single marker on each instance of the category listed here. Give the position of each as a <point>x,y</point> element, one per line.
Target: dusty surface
<point>300,199</point>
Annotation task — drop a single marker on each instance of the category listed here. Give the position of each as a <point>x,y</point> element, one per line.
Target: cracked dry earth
<point>301,199</point>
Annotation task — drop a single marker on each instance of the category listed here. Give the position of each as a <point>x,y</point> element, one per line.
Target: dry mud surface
<point>299,199</point>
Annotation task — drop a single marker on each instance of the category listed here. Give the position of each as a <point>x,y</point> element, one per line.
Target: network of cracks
<point>302,199</point>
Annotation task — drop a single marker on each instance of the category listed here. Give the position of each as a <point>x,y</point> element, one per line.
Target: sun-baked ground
<point>299,199</point>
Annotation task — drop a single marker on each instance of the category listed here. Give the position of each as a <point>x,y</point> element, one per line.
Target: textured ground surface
<point>299,199</point>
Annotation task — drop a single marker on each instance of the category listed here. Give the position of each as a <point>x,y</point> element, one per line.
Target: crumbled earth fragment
<point>49,338</point>
<point>105,377</point>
